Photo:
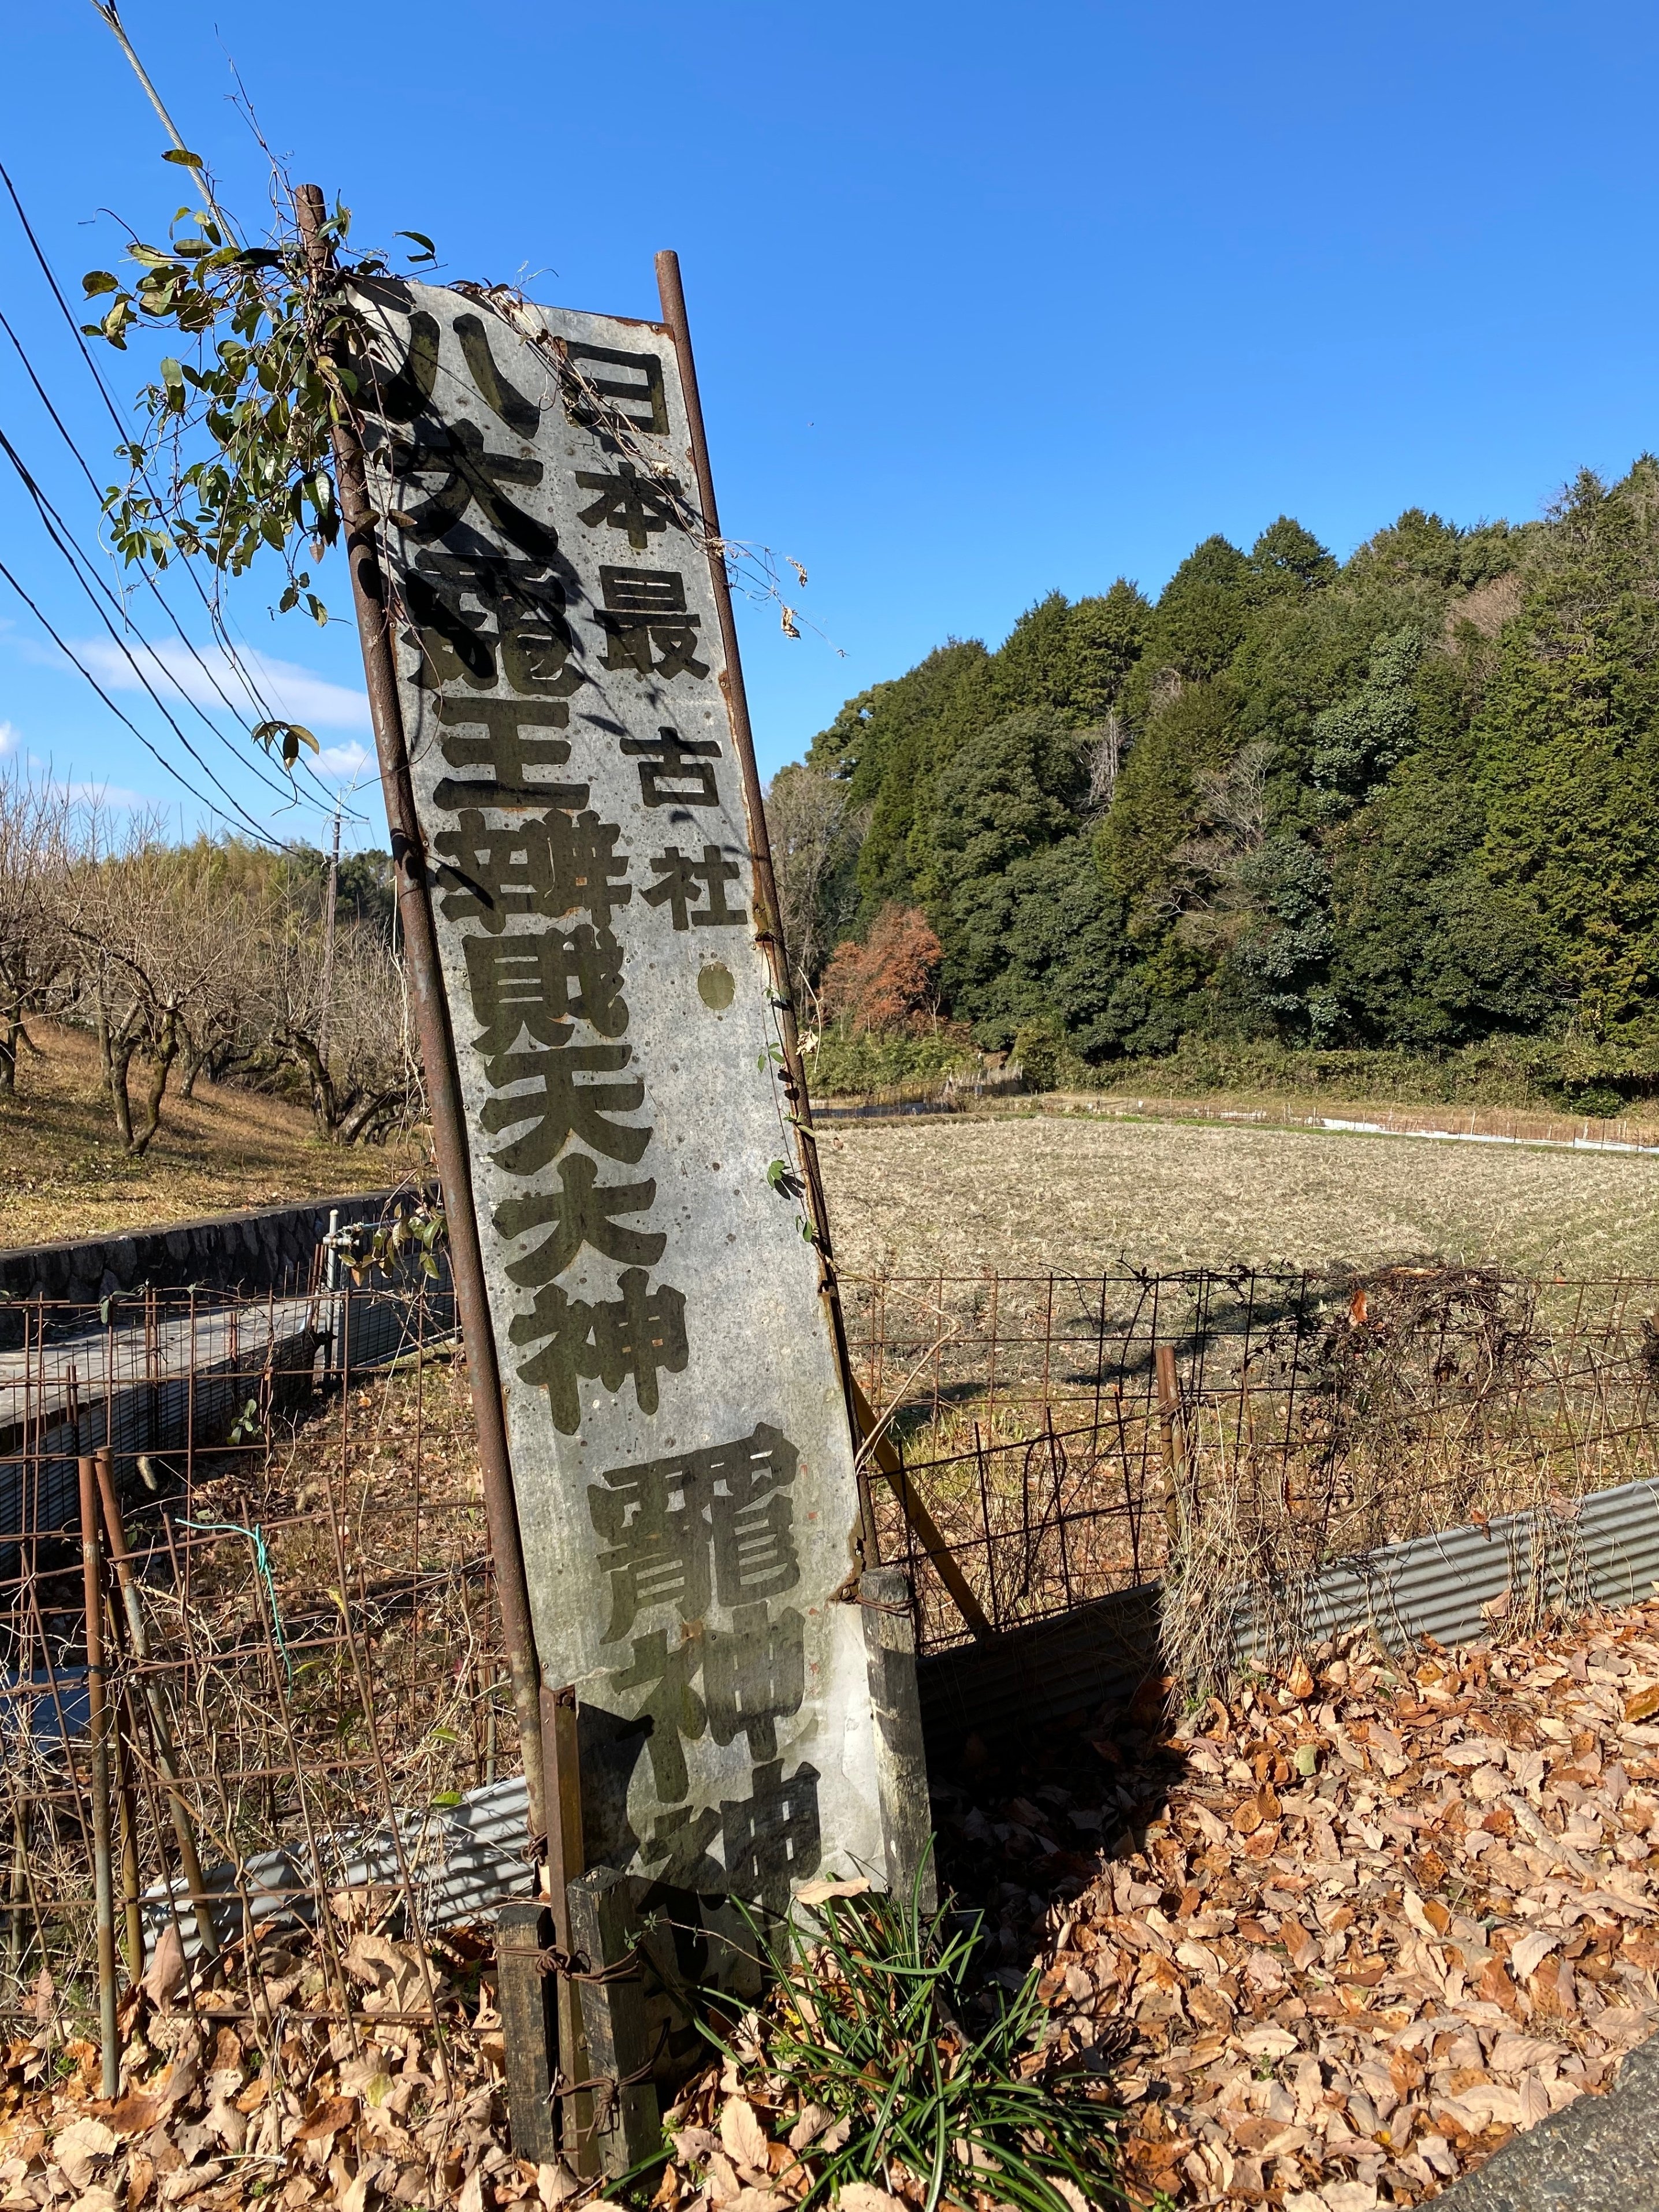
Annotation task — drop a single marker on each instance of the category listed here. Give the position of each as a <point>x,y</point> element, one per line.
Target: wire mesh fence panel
<point>309,1695</point>
<point>1067,1436</point>
<point>315,1753</point>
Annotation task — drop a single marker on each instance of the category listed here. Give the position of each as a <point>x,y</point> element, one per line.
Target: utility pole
<point>328,939</point>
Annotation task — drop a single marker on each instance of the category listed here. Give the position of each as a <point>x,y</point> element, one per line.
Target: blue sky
<point>987,301</point>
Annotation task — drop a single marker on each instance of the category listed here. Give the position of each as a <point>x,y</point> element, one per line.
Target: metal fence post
<point>1172,1435</point>
<point>98,1731</point>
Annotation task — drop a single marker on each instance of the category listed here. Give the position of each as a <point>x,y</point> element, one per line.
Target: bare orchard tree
<point>155,934</point>
<point>360,1069</point>
<point>35,954</point>
<point>222,1029</point>
<point>816,833</point>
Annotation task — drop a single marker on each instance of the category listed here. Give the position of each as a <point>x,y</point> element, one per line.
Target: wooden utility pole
<point>332,901</point>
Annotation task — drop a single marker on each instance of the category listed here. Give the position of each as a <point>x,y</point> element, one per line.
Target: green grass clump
<point>877,2017</point>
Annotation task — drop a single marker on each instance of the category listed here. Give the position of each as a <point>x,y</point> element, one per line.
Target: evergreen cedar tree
<point>1411,800</point>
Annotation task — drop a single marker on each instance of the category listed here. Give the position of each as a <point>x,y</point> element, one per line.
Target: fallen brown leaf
<point>742,2133</point>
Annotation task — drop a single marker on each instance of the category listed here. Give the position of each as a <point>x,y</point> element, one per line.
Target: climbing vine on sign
<point>233,457</point>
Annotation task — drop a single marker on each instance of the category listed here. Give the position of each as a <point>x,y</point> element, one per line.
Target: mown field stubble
<point>1035,1193</point>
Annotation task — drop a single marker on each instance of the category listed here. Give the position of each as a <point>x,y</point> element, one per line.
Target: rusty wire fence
<point>1069,1436</point>
<point>311,1722</point>
<point>316,1772</point>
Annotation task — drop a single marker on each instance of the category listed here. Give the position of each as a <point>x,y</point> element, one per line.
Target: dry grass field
<point>62,1172</point>
<point>1035,1192</point>
<point>1024,1192</point>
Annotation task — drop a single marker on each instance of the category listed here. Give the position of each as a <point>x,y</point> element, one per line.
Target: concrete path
<point>1601,2155</point>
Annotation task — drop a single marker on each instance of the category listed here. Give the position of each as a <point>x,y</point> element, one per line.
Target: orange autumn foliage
<point>890,983</point>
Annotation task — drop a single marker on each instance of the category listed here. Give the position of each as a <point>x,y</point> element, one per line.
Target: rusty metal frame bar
<point>672,292</point>
<point>368,593</point>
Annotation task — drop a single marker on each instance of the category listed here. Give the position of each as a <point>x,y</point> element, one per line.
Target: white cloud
<point>297,693</point>
<point>10,738</point>
<point>346,762</point>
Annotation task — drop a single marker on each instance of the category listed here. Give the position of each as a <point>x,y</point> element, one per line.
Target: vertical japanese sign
<point>681,1458</point>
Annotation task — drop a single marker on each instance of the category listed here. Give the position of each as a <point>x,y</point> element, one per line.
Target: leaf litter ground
<point>1327,1947</point>
<point>1331,1945</point>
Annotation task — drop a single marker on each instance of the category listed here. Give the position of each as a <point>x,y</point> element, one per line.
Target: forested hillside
<point>1407,800</point>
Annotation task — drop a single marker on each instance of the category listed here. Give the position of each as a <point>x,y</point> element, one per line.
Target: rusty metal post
<point>184,1827</point>
<point>437,1049</point>
<point>566,1860</point>
<point>673,294</point>
<point>1172,1436</point>
<point>123,1741</point>
<point>98,1732</point>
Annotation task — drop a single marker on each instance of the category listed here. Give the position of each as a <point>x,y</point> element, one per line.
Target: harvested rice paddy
<point>1033,1193</point>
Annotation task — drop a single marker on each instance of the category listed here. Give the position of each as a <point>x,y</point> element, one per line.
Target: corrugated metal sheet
<point>463,1860</point>
<point>1605,1551</point>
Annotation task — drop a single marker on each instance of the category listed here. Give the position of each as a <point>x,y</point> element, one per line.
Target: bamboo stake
<point>98,1729</point>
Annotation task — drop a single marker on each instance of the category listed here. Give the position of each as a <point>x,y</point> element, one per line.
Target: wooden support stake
<point>627,2124</point>
<point>884,1452</point>
<point>526,1997</point>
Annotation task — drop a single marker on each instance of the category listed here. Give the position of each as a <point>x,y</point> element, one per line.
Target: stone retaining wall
<point>269,1248</point>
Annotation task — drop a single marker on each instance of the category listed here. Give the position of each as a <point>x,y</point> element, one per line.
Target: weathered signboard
<point>680,1448</point>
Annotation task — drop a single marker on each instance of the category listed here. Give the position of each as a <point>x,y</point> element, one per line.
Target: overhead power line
<point>154,751</point>
<point>261,706</point>
<point>182,634</point>
<point>65,545</point>
<point>87,575</point>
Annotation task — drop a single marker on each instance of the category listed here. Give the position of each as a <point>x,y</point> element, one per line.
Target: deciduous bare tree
<point>360,1071</point>
<point>155,933</point>
<point>35,951</point>
<point>816,833</point>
